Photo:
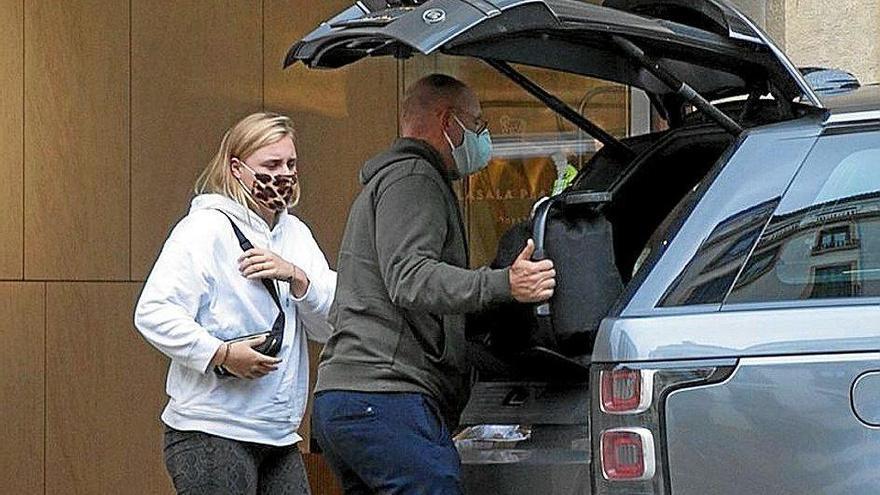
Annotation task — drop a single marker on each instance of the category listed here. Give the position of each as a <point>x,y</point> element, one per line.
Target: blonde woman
<point>234,317</point>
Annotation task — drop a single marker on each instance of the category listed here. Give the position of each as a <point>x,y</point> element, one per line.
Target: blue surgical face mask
<point>474,152</point>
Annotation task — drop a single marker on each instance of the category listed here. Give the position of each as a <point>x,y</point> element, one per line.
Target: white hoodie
<point>195,298</point>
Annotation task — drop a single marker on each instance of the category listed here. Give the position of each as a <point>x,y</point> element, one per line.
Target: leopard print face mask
<point>274,192</point>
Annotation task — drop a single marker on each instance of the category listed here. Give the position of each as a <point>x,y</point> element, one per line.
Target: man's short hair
<point>429,92</point>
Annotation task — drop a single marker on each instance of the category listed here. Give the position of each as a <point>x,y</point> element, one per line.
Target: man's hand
<point>244,362</point>
<point>531,281</point>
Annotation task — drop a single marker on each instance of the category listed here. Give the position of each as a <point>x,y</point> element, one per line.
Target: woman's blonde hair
<point>240,141</point>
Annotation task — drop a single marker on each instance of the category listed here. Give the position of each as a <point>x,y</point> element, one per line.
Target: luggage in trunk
<point>579,241</point>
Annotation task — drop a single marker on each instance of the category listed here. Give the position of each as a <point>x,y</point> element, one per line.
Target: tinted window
<point>713,289</point>
<point>739,195</point>
<point>711,272</point>
<point>824,239</point>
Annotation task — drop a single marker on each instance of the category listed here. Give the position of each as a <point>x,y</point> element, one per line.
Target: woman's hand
<point>261,263</point>
<point>244,362</point>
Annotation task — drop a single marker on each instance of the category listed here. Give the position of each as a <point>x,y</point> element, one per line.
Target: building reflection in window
<point>711,272</point>
<point>826,235</point>
<point>833,281</point>
<point>834,238</point>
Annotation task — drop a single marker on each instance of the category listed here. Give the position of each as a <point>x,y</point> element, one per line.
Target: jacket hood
<point>402,149</point>
<point>229,206</point>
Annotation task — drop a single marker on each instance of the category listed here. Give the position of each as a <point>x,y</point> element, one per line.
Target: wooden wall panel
<point>342,117</point>
<point>105,391</point>
<point>22,385</point>
<point>11,115</point>
<point>321,478</point>
<point>196,69</point>
<point>76,140</point>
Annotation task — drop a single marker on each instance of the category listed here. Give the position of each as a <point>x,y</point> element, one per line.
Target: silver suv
<point>713,330</point>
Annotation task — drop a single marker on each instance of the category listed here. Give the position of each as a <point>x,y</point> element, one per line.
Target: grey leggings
<point>203,464</point>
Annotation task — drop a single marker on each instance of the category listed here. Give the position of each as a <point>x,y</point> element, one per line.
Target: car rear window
<point>711,272</point>
<point>823,241</point>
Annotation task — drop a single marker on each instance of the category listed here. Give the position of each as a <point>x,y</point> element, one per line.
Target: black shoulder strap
<point>245,245</point>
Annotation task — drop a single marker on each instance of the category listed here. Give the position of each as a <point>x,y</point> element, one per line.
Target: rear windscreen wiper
<point>614,146</point>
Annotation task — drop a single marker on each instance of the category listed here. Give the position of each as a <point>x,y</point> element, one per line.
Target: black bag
<point>579,241</point>
<point>272,345</point>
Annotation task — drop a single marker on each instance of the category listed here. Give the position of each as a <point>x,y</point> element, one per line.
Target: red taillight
<point>625,391</point>
<point>627,454</point>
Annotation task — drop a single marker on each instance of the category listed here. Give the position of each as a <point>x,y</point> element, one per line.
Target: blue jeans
<point>388,443</point>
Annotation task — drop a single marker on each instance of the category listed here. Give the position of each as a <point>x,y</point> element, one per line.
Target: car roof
<point>858,105</point>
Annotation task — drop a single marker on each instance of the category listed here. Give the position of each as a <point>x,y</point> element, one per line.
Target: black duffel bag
<point>568,230</point>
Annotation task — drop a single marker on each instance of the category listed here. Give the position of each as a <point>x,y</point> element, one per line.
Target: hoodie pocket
<point>286,386</point>
<point>374,328</point>
<point>454,343</point>
<point>428,332</point>
<point>438,338</point>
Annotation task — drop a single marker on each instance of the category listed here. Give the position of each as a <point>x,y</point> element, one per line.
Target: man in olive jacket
<point>393,376</point>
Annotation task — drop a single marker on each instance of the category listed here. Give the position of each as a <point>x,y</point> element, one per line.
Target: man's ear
<point>446,118</point>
